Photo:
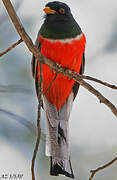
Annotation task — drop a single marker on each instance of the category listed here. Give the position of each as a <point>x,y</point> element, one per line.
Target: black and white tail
<point>57,141</point>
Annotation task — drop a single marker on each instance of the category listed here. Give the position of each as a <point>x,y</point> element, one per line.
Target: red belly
<point>69,55</point>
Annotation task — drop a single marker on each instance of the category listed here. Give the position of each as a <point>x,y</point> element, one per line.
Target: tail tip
<point>56,170</point>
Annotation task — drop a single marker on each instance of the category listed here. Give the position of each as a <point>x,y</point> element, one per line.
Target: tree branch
<point>98,81</point>
<point>80,76</point>
<point>40,90</point>
<point>24,36</point>
<point>37,143</point>
<point>93,172</point>
<point>11,47</point>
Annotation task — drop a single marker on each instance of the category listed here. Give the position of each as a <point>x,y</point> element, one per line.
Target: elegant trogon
<point>61,40</point>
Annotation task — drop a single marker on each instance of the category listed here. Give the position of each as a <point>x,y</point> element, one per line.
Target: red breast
<point>67,53</point>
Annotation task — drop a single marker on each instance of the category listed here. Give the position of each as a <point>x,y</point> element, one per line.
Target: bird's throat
<point>60,30</point>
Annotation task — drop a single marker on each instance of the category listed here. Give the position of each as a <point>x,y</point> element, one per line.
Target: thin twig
<point>36,147</point>
<point>75,76</point>
<point>99,81</point>
<point>51,83</point>
<point>11,47</point>
<point>93,172</point>
<point>101,98</point>
<point>40,84</point>
<point>40,90</point>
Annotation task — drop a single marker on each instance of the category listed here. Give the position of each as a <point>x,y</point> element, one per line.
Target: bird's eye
<point>62,11</point>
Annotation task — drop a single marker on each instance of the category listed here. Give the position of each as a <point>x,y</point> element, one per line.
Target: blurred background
<point>93,127</point>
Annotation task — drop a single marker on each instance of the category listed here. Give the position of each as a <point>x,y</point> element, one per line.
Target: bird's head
<point>57,11</point>
<point>59,22</point>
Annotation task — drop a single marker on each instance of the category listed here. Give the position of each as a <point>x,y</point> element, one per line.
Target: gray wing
<point>34,63</point>
<point>77,85</point>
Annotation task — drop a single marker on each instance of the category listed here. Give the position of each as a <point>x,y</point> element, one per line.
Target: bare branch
<point>36,147</point>
<point>40,90</point>
<point>51,64</point>
<point>93,172</point>
<point>11,47</point>
<point>98,81</point>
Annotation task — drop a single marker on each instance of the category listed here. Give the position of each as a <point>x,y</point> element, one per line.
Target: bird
<point>61,40</point>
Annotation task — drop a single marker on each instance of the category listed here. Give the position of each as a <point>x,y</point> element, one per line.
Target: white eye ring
<point>62,11</point>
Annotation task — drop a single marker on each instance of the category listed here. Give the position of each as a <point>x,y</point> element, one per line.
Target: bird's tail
<point>57,138</point>
<point>61,168</point>
<point>60,163</point>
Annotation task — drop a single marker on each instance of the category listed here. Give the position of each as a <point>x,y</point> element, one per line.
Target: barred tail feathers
<point>57,141</point>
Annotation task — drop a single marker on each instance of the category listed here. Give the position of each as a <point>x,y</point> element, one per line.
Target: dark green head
<point>59,22</point>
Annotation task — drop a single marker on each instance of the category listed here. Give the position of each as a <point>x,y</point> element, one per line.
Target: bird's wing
<point>76,85</point>
<point>34,63</point>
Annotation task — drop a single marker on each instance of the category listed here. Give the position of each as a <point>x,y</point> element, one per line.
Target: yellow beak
<point>48,10</point>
